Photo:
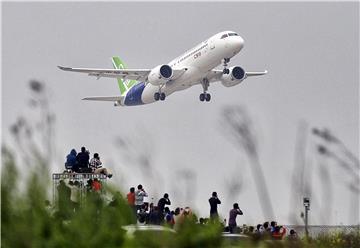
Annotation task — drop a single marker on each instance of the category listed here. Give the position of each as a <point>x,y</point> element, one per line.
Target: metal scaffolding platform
<point>82,178</point>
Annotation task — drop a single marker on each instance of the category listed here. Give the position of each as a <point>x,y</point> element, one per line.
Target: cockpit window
<point>233,34</point>
<point>224,36</point>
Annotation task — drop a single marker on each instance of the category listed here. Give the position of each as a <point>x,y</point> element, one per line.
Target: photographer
<point>161,204</point>
<point>139,197</point>
<point>232,217</point>
<point>214,201</point>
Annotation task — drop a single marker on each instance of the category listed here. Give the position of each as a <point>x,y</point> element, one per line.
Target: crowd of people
<point>159,214</point>
<point>150,213</point>
<point>69,194</point>
<point>81,163</point>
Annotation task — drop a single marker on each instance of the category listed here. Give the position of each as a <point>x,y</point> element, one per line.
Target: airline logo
<point>124,85</point>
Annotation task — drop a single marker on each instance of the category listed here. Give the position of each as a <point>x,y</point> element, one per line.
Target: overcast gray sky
<point>311,51</point>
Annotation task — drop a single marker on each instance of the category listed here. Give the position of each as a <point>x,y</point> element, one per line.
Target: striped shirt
<point>95,164</point>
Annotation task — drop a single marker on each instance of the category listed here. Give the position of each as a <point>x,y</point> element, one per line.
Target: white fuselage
<point>198,61</point>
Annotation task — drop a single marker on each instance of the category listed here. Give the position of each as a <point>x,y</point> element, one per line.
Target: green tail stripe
<point>118,64</point>
<point>123,85</point>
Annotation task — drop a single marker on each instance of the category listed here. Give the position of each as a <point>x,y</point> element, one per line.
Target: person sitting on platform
<point>70,163</point>
<point>82,159</point>
<point>96,166</point>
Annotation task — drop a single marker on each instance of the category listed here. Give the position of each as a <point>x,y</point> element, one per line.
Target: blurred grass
<point>26,222</point>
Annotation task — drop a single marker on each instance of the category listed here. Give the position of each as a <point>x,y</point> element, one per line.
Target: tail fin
<point>124,85</point>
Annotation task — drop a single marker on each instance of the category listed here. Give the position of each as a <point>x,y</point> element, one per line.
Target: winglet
<point>64,68</point>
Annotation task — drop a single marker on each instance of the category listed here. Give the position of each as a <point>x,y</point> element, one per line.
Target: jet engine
<point>234,77</point>
<point>160,75</point>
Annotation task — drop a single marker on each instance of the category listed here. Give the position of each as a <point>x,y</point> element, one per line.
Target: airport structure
<point>82,178</point>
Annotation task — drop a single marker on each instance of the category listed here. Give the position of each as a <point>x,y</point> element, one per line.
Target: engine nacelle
<point>160,75</point>
<point>236,76</point>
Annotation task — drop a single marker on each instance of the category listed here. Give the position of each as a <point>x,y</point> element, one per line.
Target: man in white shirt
<point>139,197</point>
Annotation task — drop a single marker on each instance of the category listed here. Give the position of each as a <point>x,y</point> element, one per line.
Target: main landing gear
<point>226,70</point>
<point>159,96</point>
<point>205,96</point>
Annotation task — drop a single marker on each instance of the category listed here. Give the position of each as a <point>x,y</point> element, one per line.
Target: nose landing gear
<point>225,64</point>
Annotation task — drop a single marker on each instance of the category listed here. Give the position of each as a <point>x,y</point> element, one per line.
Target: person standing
<point>131,199</point>
<point>161,204</point>
<point>232,217</point>
<point>96,185</point>
<point>139,197</point>
<point>75,195</point>
<point>214,201</point>
<point>64,193</point>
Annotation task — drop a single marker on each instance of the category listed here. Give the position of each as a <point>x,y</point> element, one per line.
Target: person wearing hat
<point>232,217</point>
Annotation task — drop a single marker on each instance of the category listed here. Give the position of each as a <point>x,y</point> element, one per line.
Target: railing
<point>78,176</point>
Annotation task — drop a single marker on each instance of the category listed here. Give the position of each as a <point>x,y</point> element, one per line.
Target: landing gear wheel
<point>226,71</point>
<point>208,97</point>
<point>202,97</point>
<point>157,96</point>
<point>162,96</point>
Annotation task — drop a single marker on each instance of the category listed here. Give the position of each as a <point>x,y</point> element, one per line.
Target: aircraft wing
<point>104,98</point>
<point>256,73</point>
<point>215,75</point>
<point>132,74</point>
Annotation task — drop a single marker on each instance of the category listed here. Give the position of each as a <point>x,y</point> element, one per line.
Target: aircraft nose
<point>238,43</point>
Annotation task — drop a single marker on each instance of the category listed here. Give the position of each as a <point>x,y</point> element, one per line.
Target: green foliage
<point>27,222</point>
<point>336,239</point>
<point>192,235</point>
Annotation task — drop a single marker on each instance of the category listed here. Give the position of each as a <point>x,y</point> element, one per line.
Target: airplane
<point>196,66</point>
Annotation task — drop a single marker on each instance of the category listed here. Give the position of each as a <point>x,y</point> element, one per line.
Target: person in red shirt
<point>131,196</point>
<point>278,233</point>
<point>96,185</point>
<point>131,199</point>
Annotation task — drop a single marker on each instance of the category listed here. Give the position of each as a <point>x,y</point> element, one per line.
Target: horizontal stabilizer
<point>104,98</point>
